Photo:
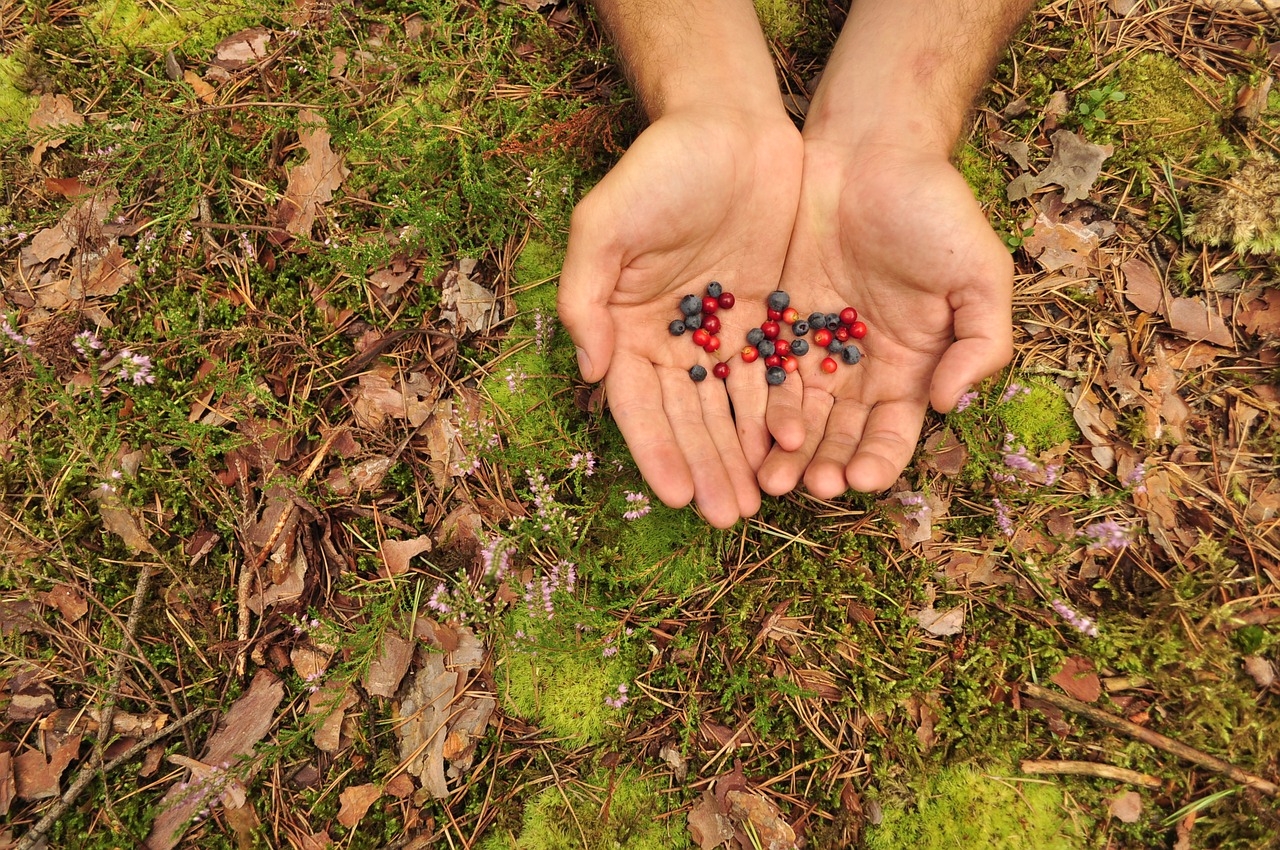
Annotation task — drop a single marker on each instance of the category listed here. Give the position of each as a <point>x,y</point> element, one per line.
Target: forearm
<point>693,54</point>
<point>907,71</point>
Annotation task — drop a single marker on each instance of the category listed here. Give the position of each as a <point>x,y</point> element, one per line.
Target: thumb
<point>984,343</point>
<point>587,281</point>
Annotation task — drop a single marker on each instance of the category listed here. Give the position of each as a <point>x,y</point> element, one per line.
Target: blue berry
<point>677,327</point>
<point>755,336</point>
<point>698,373</point>
<point>779,300</point>
<point>818,321</point>
<point>800,328</point>
<point>833,321</point>
<point>799,347</point>
<point>835,346</point>
<point>766,348</point>
<point>851,354</point>
<point>693,322</point>
<point>691,305</point>
<point>775,375</point>
<point>714,289</point>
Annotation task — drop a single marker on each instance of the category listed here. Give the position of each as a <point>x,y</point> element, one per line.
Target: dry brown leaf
<point>356,801</point>
<point>120,521</point>
<point>944,453</point>
<point>54,110</point>
<point>465,304</point>
<point>107,276</point>
<point>1192,318</point>
<point>396,555</point>
<point>1075,165</point>
<point>773,832</point>
<point>368,474</point>
<point>1262,671</point>
<point>37,777</point>
<point>941,623</point>
<point>1261,317</point>
<point>203,90</point>
<point>386,671</point>
<point>241,49</point>
<point>1078,678</point>
<point>1143,287</point>
<point>69,601</point>
<point>331,702</point>
<point>709,824</point>
<point>1126,807</point>
<point>313,182</point>
<point>80,224</point>
<point>67,187</point>
<point>968,569</point>
<point>383,392</point>
<point>400,786</point>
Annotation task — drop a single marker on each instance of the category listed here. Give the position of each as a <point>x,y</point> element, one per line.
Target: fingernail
<point>584,362</point>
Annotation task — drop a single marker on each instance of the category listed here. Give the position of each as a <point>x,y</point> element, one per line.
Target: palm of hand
<point>901,239</point>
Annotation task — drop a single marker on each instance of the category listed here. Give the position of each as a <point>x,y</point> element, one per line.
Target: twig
<point>1155,739</point>
<point>140,589</point>
<point>1038,767</point>
<point>89,771</point>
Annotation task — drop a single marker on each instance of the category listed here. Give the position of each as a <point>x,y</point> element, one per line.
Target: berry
<point>720,370</point>
<point>829,365</point>
<point>774,315</point>
<point>848,316</point>
<point>799,347</point>
<point>835,346</point>
<point>822,338</point>
<point>842,333</point>
<point>701,336</point>
<point>676,327</point>
<point>790,315</point>
<point>800,328</point>
<point>775,375</point>
<point>766,347</point>
<point>773,360</point>
<point>755,336</point>
<point>712,345</point>
<point>726,300</point>
<point>698,373</point>
<point>690,305</point>
<point>833,320</point>
<point>782,347</point>
<point>779,300</point>
<point>693,322</point>
<point>714,289</point>
<point>857,330</point>
<point>749,354</point>
<point>790,364</point>
<point>851,354</point>
<point>817,321</point>
<point>771,330</point>
<point>711,324</point>
<point>710,305</point>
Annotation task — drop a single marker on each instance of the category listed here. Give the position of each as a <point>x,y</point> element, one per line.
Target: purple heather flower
<point>513,380</point>
<point>1078,621</point>
<point>618,701</point>
<point>1012,390</point>
<point>246,247</point>
<point>1137,478</point>
<point>8,330</point>
<point>1107,535</point>
<point>1016,458</point>
<point>641,505</point>
<point>86,342</point>
<point>965,400</point>
<point>586,460</point>
<point>1002,517</point>
<point>135,368</point>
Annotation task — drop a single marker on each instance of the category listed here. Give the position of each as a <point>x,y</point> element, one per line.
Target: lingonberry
<point>676,327</point>
<point>698,373</point>
<point>851,354</point>
<point>790,315</point>
<point>690,304</point>
<point>701,336</point>
<point>800,328</point>
<point>773,360</point>
<point>714,289</point>
<point>720,370</point>
<point>710,305</point>
<point>766,347</point>
<point>775,375</point>
<point>799,347</point>
<point>771,329</point>
<point>779,300</point>
<point>711,324</point>
<point>829,365</point>
<point>781,347</point>
<point>848,316</point>
<point>790,364</point>
<point>773,315</point>
<point>857,330</point>
<point>726,300</point>
<point>712,345</point>
<point>755,336</point>
<point>822,338</point>
<point>842,333</point>
<point>749,354</point>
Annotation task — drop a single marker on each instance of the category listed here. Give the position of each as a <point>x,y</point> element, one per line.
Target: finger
<point>712,488</point>
<point>825,475</point>
<point>983,323</point>
<point>592,265</point>
<point>888,441</point>
<point>750,396</point>
<point>724,435</point>
<point>635,399</point>
<point>785,415</point>
<point>782,470</point>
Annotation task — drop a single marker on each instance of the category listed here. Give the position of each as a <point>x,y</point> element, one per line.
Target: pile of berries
<point>832,331</point>
<point>699,315</point>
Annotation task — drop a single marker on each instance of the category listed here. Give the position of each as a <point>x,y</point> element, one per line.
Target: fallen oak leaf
<point>120,521</point>
<point>396,555</point>
<point>241,49</point>
<point>1192,318</point>
<point>1126,807</point>
<point>1079,679</point>
<point>1075,165</point>
<point>53,110</point>
<point>1261,316</point>
<point>312,182</point>
<point>1142,287</point>
<point>386,671</point>
<point>941,623</point>
<point>709,824</point>
<point>356,801</point>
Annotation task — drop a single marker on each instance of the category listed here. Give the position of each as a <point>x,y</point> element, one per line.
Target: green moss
<point>983,176</point>
<point>1042,418</point>
<point>668,549</point>
<point>15,104</point>
<point>780,19</point>
<point>617,812</point>
<point>961,807</point>
<point>561,689</point>
<point>1165,115</point>
<point>195,24</point>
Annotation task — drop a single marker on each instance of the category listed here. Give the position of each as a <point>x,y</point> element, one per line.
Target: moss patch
<point>1041,418</point>
<point>960,807</point>
<point>1167,114</point>
<point>1245,213</point>
<point>195,24</point>
<point>780,19</point>
<point>15,104</point>
<point>562,690</point>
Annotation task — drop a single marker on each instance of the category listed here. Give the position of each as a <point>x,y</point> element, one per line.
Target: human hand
<point>895,232</point>
<point>703,194</point>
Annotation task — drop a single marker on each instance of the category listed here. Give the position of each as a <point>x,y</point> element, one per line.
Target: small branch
<point>140,589</point>
<point>1089,768</point>
<point>1155,739</point>
<point>87,773</point>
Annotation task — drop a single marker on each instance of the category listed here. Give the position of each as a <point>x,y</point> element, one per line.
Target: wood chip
<point>356,801</point>
<point>386,671</point>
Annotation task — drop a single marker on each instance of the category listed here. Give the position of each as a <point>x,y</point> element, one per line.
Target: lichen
<point>1244,213</point>
<point>195,24</point>
<point>562,689</point>
<point>963,807</point>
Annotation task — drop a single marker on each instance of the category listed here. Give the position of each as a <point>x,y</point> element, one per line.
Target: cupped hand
<point>898,235</point>
<point>701,195</point>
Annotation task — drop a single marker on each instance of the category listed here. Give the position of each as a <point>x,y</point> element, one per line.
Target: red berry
<point>848,315</point>
<point>790,364</point>
<point>720,370</point>
<point>842,333</point>
<point>828,365</point>
<point>858,330</point>
<point>713,344</point>
<point>773,360</point>
<point>749,354</point>
<point>770,329</point>
<point>821,338</point>
<point>726,300</point>
<point>782,348</point>
<point>790,315</point>
<point>701,336</point>
<point>774,315</point>
<point>711,324</point>
<point>709,305</point>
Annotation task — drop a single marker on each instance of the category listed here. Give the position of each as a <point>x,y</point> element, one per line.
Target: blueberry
<point>698,373</point>
<point>755,336</point>
<point>693,322</point>
<point>766,348</point>
<point>818,321</point>
<point>677,327</point>
<point>835,346</point>
<point>799,347</point>
<point>775,375</point>
<point>800,328</point>
<point>833,320</point>
<point>851,354</point>
<point>691,305</point>
<point>714,289</point>
<point>779,300</point>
